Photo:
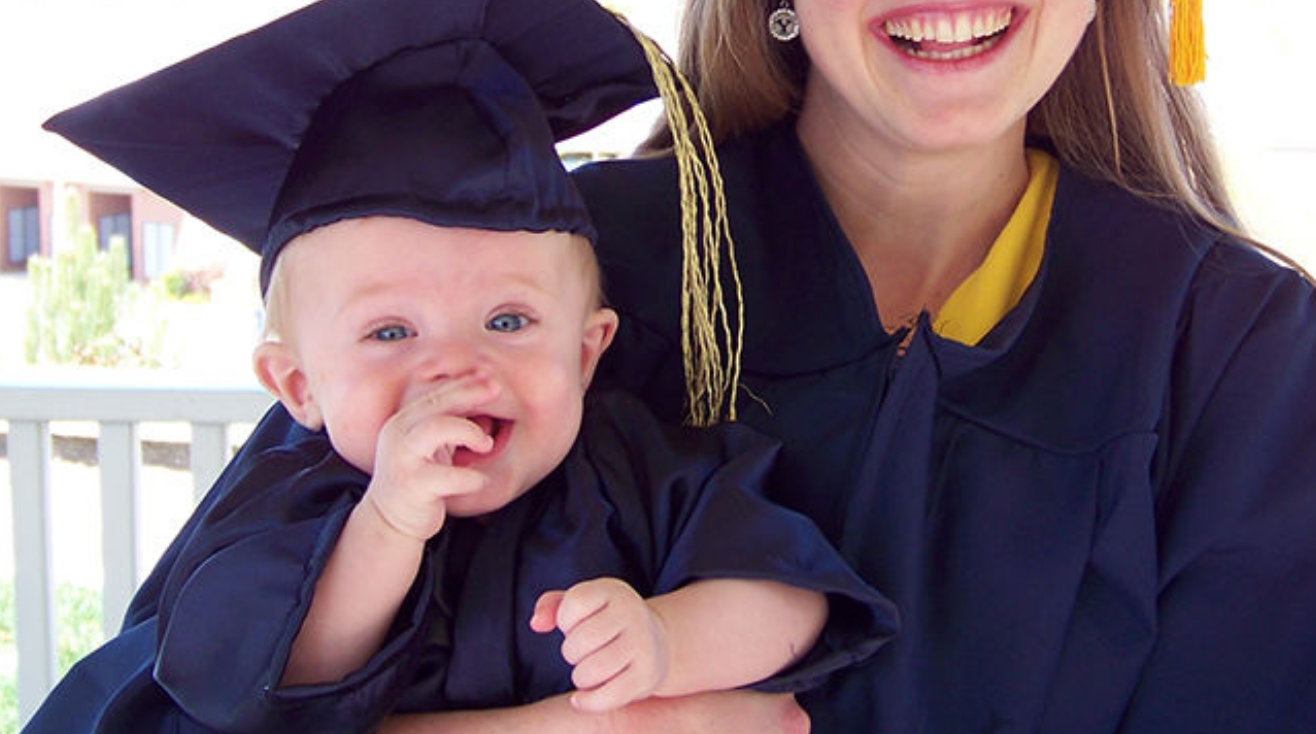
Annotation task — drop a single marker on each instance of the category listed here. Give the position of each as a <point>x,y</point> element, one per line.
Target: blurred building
<point>39,218</point>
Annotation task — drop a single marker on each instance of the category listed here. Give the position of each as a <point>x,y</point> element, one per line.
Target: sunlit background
<point>199,315</point>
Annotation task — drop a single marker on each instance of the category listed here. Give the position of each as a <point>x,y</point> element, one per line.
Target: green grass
<point>78,632</point>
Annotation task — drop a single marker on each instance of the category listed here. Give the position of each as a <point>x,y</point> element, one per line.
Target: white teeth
<point>945,33</point>
<point>950,28</point>
<point>963,27</point>
<point>956,54</point>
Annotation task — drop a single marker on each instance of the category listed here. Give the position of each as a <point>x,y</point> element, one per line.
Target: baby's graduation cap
<point>445,111</point>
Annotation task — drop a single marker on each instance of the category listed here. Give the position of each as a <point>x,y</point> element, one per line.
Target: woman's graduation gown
<point>658,506</point>
<point>1100,519</point>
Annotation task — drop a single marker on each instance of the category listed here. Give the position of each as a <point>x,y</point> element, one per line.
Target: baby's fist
<point>614,641</point>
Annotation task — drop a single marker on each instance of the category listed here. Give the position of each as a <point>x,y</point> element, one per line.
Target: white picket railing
<point>119,405</point>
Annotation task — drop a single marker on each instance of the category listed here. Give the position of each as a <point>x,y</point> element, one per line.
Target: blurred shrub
<point>78,299</point>
<point>191,285</point>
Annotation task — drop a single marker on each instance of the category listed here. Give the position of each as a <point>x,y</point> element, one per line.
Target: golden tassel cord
<point>710,340</point>
<point>1187,42</point>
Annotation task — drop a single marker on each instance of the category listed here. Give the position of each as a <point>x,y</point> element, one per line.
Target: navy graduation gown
<point>658,506</point>
<point>1101,519</point>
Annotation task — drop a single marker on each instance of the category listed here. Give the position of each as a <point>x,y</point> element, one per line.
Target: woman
<point>995,296</point>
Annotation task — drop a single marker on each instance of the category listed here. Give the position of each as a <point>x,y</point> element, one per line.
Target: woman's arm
<point>1236,514</point>
<point>723,712</point>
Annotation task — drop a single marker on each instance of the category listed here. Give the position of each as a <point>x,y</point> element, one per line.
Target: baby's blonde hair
<point>276,302</point>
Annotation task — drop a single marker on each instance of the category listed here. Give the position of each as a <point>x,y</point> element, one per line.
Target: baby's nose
<point>450,359</point>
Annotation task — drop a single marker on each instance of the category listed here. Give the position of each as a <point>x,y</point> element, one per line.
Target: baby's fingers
<point>544,618</point>
<point>450,481</point>
<point>455,397</point>
<point>619,688</point>
<point>590,636</point>
<point>602,665</point>
<point>588,598</point>
<point>437,437</point>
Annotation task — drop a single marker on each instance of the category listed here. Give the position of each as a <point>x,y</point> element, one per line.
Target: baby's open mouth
<point>490,425</point>
<point>495,428</point>
<point>949,36</point>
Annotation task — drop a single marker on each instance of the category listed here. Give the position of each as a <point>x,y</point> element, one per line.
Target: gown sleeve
<point>708,518</point>
<point>204,641</point>
<point>114,689</point>
<point>206,637</point>
<point>1236,512</point>
<point>236,596</point>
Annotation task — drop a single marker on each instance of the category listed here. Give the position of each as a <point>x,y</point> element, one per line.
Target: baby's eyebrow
<point>366,302</point>
<point>530,283</point>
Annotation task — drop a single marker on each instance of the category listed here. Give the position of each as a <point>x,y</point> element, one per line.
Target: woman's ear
<point>600,328</point>
<point>278,370</point>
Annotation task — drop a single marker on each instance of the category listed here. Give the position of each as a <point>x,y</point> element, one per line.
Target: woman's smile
<point>945,36</point>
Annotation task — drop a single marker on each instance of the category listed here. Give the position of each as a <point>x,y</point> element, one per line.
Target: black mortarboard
<point>445,111</point>
<point>441,110</point>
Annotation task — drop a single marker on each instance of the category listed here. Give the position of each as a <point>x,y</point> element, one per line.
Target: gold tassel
<point>710,339</point>
<point>1187,43</point>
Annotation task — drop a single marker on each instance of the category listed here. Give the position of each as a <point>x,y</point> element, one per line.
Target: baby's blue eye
<point>391,333</point>
<point>507,322</point>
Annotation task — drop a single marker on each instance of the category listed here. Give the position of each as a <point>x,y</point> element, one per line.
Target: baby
<point>451,366</point>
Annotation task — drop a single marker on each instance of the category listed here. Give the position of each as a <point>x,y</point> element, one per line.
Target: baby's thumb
<point>545,617</point>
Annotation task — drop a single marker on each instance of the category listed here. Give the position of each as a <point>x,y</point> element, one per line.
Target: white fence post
<point>208,455</point>
<point>34,594</point>
<point>119,452</point>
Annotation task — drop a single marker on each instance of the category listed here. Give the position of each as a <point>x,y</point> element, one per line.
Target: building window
<point>157,248</point>
<point>115,225</point>
<point>24,234</point>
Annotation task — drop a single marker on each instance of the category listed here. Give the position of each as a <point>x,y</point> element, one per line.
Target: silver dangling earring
<point>1092,11</point>
<point>783,24</point>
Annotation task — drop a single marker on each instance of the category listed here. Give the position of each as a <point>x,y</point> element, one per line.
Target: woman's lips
<point>946,34</point>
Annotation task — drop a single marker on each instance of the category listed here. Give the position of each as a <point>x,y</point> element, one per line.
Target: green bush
<point>6,615</point>
<point>78,298</point>
<point>190,285</point>
<point>8,704</point>
<point>79,628</point>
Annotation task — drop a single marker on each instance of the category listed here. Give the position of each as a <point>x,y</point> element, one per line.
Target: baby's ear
<point>600,328</point>
<point>278,370</point>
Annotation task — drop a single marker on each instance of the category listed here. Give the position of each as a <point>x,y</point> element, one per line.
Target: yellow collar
<point>988,294</point>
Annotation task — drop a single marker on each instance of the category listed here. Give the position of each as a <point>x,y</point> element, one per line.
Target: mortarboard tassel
<point>1187,43</point>
<point>710,340</point>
